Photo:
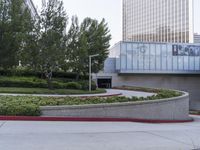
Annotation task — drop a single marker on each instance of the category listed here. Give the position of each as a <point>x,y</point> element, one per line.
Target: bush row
<point>30,73</point>
<point>34,82</point>
<point>18,106</point>
<point>29,106</point>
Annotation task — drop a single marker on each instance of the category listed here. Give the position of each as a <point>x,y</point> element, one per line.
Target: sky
<point>111,10</point>
<point>197,16</point>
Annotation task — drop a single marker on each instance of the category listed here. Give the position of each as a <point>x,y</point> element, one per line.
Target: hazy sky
<point>111,10</point>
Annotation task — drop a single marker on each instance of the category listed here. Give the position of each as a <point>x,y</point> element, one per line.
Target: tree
<point>76,51</point>
<point>30,52</point>
<point>53,21</point>
<point>98,39</point>
<point>12,18</point>
<point>91,37</point>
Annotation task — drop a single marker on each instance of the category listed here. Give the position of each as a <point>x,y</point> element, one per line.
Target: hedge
<point>34,82</point>
<point>30,73</point>
<point>29,106</point>
<point>85,85</point>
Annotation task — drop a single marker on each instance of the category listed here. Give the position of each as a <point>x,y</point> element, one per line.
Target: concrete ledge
<point>164,109</point>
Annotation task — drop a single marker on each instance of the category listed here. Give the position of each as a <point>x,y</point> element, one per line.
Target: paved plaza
<point>109,92</point>
<point>99,136</point>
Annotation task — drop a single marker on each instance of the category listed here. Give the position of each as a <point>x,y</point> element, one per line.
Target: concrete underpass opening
<point>104,83</point>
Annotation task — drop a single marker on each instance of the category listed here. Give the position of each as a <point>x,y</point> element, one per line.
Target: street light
<point>90,69</point>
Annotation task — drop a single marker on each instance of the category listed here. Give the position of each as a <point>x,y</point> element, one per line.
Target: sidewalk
<point>109,92</point>
<point>99,136</point>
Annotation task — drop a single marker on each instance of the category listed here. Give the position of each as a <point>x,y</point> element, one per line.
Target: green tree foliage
<point>30,52</point>
<point>98,38</point>
<point>41,42</point>
<point>13,19</point>
<point>52,43</point>
<point>91,37</point>
<point>76,51</point>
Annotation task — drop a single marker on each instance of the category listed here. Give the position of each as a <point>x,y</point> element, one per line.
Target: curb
<point>109,95</point>
<point>194,114</point>
<point>54,95</point>
<point>76,119</point>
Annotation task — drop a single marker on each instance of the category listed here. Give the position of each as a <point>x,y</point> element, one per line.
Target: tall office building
<point>158,21</point>
<point>196,38</point>
<point>31,6</point>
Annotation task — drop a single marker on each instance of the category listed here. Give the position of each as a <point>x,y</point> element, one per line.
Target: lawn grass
<point>17,90</point>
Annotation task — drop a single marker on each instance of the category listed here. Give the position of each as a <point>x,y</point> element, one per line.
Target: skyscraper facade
<point>158,21</point>
<point>31,6</point>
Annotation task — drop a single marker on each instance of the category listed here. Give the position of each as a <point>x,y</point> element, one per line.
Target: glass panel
<point>164,50</point>
<point>135,56</point>
<point>169,50</point>
<point>158,49</point>
<point>186,63</point>
<point>123,62</point>
<point>158,57</point>
<point>129,47</point>
<point>123,49</point>
<point>117,64</point>
<point>152,57</point>
<point>141,62</point>
<point>175,63</point>
<point>142,50</point>
<point>169,63</point>
<point>180,63</point>
<point>146,57</point>
<point>164,57</point>
<point>152,49</point>
<point>129,60</point>
<point>191,63</point>
<point>197,63</point>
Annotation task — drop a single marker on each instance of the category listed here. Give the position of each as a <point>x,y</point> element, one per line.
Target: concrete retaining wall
<point>168,109</point>
<point>188,83</point>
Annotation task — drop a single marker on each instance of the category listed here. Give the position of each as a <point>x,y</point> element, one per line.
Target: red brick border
<point>76,119</point>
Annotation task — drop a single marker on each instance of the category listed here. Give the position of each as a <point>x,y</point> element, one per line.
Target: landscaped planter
<point>176,108</point>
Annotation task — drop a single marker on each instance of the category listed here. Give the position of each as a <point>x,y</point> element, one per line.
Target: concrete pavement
<point>130,94</point>
<point>109,92</point>
<point>99,136</point>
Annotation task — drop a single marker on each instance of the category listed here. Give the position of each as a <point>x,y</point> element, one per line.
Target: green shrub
<point>72,85</point>
<point>29,106</point>
<point>162,94</point>
<point>34,82</point>
<point>20,72</point>
<point>22,82</point>
<point>31,73</point>
<point>14,108</point>
<point>85,85</point>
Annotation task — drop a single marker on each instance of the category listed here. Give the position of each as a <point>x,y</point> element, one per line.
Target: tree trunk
<point>49,84</point>
<point>49,81</point>
<point>77,76</point>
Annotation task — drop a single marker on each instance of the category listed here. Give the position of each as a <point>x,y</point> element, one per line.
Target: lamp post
<point>90,69</point>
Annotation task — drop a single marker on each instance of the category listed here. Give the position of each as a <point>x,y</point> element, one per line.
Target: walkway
<point>98,136</point>
<point>109,92</point>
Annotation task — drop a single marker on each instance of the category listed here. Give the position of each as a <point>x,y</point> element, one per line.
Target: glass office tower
<point>32,8</point>
<point>158,21</point>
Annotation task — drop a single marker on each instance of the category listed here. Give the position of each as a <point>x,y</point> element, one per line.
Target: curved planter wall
<point>165,109</point>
